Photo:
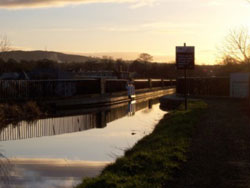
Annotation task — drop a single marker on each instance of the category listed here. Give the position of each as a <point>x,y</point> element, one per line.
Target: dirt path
<point>220,151</point>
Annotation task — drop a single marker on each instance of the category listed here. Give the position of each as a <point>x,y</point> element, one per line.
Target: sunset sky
<point>124,26</point>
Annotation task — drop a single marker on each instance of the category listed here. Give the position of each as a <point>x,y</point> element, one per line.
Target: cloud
<point>143,3</point>
<point>213,3</point>
<point>152,26</point>
<point>24,4</point>
<point>175,25</point>
<point>132,28</point>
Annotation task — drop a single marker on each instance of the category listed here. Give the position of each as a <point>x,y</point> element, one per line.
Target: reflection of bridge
<point>48,127</point>
<point>69,124</point>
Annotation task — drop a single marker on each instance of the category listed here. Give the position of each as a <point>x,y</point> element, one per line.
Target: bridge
<point>54,89</point>
<point>84,92</point>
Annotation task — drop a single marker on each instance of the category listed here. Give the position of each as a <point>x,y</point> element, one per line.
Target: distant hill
<point>39,55</point>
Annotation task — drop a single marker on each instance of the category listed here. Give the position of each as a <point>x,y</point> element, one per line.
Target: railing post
<point>101,120</point>
<point>102,86</point>
<point>150,83</point>
<point>162,82</point>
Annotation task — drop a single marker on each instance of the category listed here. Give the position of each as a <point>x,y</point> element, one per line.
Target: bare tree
<point>145,57</point>
<point>237,45</point>
<point>4,44</point>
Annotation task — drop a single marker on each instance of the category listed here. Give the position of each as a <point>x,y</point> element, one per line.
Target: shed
<point>240,85</point>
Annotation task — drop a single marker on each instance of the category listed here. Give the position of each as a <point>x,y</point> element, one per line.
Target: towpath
<point>220,150</point>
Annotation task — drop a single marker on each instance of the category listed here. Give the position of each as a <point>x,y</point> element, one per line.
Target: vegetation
<point>144,57</point>
<point>157,158</point>
<point>141,69</point>
<point>219,153</point>
<point>235,54</point>
<point>13,113</point>
<point>4,44</point>
<point>237,47</point>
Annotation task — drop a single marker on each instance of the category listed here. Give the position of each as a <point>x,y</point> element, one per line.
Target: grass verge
<point>157,158</point>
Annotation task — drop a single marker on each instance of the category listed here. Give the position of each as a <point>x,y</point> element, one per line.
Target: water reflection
<point>62,160</point>
<point>131,108</point>
<point>70,124</point>
<point>5,171</point>
<point>38,173</point>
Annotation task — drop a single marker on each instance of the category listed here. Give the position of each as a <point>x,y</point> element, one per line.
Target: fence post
<point>249,91</point>
<point>102,86</point>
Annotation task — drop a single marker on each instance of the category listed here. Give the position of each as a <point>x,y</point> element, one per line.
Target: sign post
<point>184,61</point>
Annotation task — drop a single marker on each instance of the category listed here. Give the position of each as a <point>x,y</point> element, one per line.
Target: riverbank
<point>15,112</point>
<point>158,157</point>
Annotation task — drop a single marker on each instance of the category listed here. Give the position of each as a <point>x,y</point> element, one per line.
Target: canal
<point>60,151</point>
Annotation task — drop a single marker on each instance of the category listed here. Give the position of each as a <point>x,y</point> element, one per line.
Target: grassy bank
<point>157,158</point>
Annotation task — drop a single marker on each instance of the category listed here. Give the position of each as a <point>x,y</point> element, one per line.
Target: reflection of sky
<point>91,145</point>
<point>62,160</point>
<point>31,173</point>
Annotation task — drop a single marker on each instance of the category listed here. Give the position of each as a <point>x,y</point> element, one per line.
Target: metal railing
<point>40,89</point>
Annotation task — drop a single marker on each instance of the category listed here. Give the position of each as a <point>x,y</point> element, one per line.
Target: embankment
<point>157,158</point>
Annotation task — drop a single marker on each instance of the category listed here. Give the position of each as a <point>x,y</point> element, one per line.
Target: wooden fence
<point>213,86</point>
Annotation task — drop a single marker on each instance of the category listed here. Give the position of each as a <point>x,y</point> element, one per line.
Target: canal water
<point>60,151</point>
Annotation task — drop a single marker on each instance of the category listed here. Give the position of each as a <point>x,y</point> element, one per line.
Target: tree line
<point>235,57</point>
<point>139,68</point>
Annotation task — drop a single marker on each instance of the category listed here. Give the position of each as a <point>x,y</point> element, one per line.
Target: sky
<point>123,28</point>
